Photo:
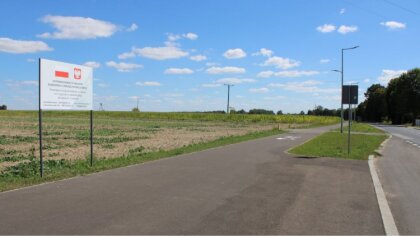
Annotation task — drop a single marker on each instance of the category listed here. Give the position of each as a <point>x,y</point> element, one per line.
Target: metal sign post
<point>349,96</point>
<point>91,137</point>
<point>41,163</point>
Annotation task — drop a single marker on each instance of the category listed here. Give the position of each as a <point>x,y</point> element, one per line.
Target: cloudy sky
<point>176,55</point>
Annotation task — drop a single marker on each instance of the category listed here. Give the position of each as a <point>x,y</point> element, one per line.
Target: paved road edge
<point>387,218</point>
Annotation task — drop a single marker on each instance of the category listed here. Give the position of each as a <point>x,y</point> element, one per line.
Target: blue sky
<point>176,55</point>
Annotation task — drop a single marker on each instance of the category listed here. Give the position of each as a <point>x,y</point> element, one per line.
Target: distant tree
<point>261,111</point>
<point>302,113</point>
<point>135,109</point>
<point>279,112</point>
<point>215,112</point>
<point>403,97</point>
<point>361,111</point>
<point>242,111</point>
<point>3,107</point>
<point>320,111</point>
<point>375,104</point>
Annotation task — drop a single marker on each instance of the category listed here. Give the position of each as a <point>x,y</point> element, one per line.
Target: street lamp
<point>228,86</point>
<point>342,81</point>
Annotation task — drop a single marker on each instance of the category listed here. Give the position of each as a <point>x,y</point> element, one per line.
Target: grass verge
<point>363,128</point>
<point>334,144</point>
<point>27,173</point>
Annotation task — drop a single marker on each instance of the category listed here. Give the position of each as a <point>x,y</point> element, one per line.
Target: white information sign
<point>65,86</point>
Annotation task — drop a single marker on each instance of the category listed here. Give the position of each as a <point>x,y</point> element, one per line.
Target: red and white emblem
<point>77,73</point>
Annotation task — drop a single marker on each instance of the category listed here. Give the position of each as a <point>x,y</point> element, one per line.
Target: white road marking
<point>387,218</point>
<point>288,137</point>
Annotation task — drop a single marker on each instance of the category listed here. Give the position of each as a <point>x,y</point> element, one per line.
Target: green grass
<point>362,127</point>
<point>334,144</point>
<point>27,173</point>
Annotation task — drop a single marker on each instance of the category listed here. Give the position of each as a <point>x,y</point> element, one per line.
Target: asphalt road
<point>405,133</point>
<point>247,188</point>
<point>399,171</point>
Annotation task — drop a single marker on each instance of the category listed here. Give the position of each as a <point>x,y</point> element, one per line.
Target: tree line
<point>399,102</point>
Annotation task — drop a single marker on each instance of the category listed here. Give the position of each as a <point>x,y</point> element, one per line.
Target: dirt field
<point>68,137</point>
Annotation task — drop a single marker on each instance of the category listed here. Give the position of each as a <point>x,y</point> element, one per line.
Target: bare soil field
<point>68,137</point>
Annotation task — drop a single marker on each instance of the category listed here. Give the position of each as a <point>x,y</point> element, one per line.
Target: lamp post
<point>228,86</point>
<point>342,81</point>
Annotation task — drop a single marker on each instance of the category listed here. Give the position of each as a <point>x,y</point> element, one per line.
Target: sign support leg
<point>91,137</point>
<point>41,163</point>
<point>348,138</point>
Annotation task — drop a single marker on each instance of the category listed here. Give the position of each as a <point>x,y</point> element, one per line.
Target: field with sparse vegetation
<point>120,136</point>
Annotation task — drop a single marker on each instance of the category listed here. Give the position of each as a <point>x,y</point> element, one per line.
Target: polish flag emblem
<point>61,74</point>
<point>77,73</point>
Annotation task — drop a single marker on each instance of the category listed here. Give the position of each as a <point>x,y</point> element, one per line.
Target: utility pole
<point>228,86</point>
<point>138,103</point>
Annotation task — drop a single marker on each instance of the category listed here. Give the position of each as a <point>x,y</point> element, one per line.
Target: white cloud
<point>103,85</point>
<point>234,81</point>
<point>394,25</point>
<point>160,53</point>
<point>20,83</point>
<point>21,46</point>
<point>326,28</point>
<point>173,95</point>
<point>342,11</point>
<point>191,36</point>
<point>123,67</point>
<point>148,83</point>
<point>287,73</point>
<point>309,86</point>
<point>109,98</point>
<point>225,70</point>
<point>280,62</point>
<point>211,85</point>
<point>234,53</point>
<point>92,64</point>
<point>264,52</point>
<point>266,74</point>
<point>366,80</point>
<point>133,27</point>
<point>198,58</point>
<point>344,29</point>
<point>387,75</point>
<point>324,61</point>
<point>126,55</point>
<point>211,64</point>
<point>172,38</point>
<point>178,71</point>
<point>295,73</point>
<point>75,27</point>
<point>274,98</point>
<point>30,60</point>
<point>259,90</point>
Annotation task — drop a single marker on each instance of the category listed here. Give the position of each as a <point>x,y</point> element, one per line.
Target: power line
<point>367,10</point>
<point>401,7</point>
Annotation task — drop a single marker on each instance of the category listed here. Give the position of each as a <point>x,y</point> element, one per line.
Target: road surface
<point>399,171</point>
<point>252,187</point>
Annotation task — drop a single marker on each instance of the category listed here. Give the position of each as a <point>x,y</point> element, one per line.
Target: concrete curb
<point>386,214</point>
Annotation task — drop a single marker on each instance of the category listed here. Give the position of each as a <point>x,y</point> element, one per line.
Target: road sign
<point>350,94</point>
<point>65,86</point>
